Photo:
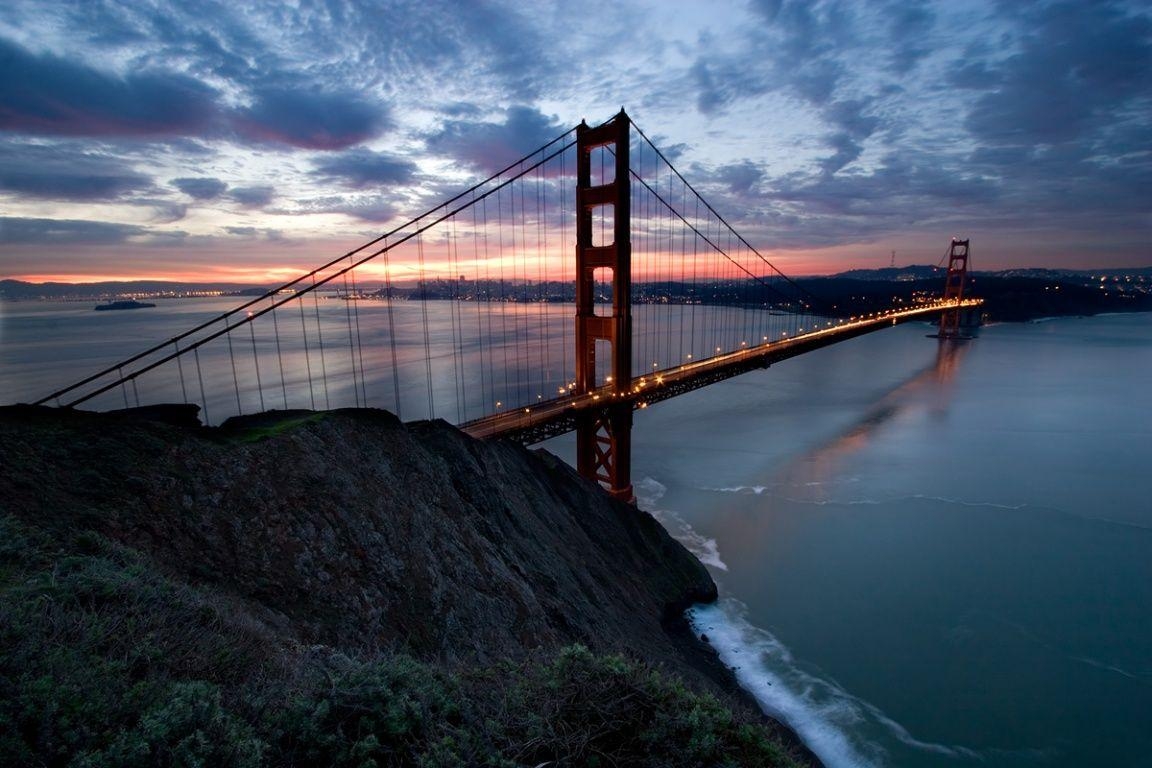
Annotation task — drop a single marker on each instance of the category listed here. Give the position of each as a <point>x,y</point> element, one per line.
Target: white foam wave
<point>895,499</point>
<point>706,550</point>
<point>756,489</point>
<point>802,702</point>
<point>820,711</point>
<point>1104,666</point>
<point>963,503</point>
<point>648,494</point>
<point>844,502</point>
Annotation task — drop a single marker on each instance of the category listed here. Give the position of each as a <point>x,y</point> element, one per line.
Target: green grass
<point>266,425</point>
<point>105,662</point>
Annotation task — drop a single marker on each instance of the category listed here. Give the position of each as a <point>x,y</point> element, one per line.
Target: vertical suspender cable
<point>232,357</point>
<point>256,364</point>
<point>279,357</point>
<point>320,343</point>
<point>307,353</point>
<point>389,298</point>
<point>424,317</point>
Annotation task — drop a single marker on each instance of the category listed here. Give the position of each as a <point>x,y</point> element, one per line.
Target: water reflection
<point>809,476</point>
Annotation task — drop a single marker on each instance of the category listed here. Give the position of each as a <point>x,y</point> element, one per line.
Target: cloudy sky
<point>158,138</point>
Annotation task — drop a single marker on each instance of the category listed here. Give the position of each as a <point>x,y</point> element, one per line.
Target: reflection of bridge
<point>464,322</point>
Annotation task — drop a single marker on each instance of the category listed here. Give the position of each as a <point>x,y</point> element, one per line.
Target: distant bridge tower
<point>954,283</point>
<point>604,435</point>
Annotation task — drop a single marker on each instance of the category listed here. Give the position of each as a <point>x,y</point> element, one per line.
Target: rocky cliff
<point>351,529</point>
<point>244,562</point>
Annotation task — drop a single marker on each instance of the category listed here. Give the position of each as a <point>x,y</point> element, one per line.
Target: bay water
<point>929,555</point>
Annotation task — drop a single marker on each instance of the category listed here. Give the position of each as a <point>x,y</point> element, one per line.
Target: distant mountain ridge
<point>926,272</point>
<point>19,290</point>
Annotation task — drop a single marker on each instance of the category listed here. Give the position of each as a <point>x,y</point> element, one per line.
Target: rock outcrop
<point>351,529</point>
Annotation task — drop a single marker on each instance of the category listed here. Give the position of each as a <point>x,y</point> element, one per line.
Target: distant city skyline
<point>246,142</point>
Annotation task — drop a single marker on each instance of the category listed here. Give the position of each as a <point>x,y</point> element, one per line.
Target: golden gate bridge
<point>471,318</point>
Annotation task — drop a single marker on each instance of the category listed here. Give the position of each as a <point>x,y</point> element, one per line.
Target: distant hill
<point>18,290</point>
<point>908,273</point>
<point>925,272</point>
<point>1007,297</point>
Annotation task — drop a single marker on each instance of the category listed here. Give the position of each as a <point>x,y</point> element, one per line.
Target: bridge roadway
<point>549,418</point>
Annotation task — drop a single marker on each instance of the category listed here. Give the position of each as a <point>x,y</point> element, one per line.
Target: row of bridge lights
<point>567,390</point>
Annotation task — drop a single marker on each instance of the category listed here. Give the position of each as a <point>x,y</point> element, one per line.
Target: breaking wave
<point>820,712</point>
<point>648,494</point>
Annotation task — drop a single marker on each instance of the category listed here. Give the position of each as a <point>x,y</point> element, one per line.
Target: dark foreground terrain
<point>341,589</point>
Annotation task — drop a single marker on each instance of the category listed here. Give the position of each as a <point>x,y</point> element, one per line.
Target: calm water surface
<point>927,557</point>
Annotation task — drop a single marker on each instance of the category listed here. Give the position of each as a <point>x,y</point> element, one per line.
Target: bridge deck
<point>558,415</point>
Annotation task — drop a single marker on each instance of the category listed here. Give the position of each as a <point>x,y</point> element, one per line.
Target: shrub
<point>104,662</point>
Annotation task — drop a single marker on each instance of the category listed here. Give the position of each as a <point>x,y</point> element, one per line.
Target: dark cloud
<point>60,172</point>
<point>374,209</point>
<point>721,82</point>
<point>258,232</point>
<point>853,127</point>
<point>909,24</point>
<point>310,119</point>
<point>362,168</point>
<point>493,146</point>
<point>17,231</point>
<point>1079,66</point>
<point>163,211</point>
<point>49,95</point>
<point>973,74</point>
<point>201,188</point>
<point>252,197</point>
<point>740,178</point>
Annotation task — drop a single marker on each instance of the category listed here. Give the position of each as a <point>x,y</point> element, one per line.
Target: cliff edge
<point>351,531</point>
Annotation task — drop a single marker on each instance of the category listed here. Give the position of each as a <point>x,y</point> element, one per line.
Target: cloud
<point>252,197</point>
<point>370,208</point>
<point>60,172</point>
<point>163,211</point>
<point>18,231</point>
<point>1078,66</point>
<point>909,25</point>
<point>256,232</point>
<point>362,168</point>
<point>202,188</point>
<point>48,95</point>
<point>493,146</point>
<point>310,119</point>
<point>740,178</point>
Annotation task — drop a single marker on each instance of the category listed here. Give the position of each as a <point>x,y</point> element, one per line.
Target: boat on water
<point>124,304</point>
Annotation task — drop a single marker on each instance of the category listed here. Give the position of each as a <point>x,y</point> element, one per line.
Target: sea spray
<point>648,493</point>
<point>815,709</point>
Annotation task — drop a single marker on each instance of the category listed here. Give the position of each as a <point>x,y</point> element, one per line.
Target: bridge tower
<point>954,283</point>
<point>604,435</point>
